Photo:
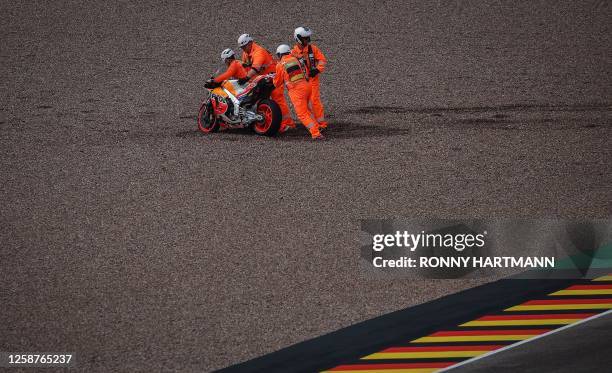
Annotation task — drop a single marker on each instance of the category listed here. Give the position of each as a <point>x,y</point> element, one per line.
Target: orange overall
<point>234,71</point>
<point>291,72</point>
<point>262,61</point>
<point>314,58</point>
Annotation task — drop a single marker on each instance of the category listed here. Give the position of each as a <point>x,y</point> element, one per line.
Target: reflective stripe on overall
<point>295,70</point>
<point>295,73</point>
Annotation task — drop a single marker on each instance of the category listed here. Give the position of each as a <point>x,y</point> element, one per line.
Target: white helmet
<point>244,39</point>
<point>283,49</point>
<point>301,32</point>
<point>227,53</point>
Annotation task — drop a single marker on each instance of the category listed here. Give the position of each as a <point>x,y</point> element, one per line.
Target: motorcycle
<point>232,105</point>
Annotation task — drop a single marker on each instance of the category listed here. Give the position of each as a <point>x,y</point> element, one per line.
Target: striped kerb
<point>564,304</point>
<point>586,290</point>
<point>432,352</point>
<point>489,333</point>
<point>391,368</point>
<point>541,319</point>
<point>481,335</point>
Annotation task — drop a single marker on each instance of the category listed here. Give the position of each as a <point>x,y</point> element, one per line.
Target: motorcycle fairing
<point>219,105</point>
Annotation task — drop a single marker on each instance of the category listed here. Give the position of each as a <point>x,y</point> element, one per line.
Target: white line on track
<point>524,341</point>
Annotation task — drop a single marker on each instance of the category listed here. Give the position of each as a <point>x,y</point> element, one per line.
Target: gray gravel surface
<point>143,245</point>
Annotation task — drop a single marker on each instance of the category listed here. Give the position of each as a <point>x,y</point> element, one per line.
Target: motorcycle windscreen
<point>233,87</point>
<point>219,92</point>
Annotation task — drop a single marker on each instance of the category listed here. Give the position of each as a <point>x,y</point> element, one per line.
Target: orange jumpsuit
<point>319,61</point>
<point>261,60</point>
<point>234,70</point>
<point>291,72</point>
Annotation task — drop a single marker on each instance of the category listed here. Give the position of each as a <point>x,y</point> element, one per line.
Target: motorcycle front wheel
<point>271,113</point>
<point>207,121</point>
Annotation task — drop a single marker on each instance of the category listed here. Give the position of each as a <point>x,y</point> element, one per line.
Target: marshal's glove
<point>314,72</point>
<point>210,84</point>
<point>241,81</point>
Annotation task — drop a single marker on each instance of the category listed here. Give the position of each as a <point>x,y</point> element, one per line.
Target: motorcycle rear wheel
<point>207,121</point>
<point>272,116</point>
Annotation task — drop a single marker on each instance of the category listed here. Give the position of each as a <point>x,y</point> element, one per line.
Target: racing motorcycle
<point>232,105</point>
